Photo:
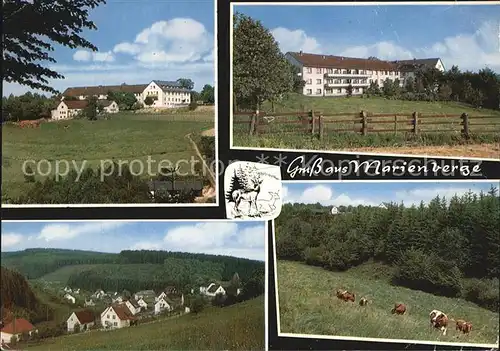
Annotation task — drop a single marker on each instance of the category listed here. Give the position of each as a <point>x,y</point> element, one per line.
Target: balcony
<point>357,74</point>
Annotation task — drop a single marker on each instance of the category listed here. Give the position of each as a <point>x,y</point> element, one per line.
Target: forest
<point>448,248</point>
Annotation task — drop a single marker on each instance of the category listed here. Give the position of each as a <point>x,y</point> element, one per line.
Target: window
<point>115,324</point>
<point>309,81</point>
<point>309,91</point>
<point>107,316</point>
<point>356,90</point>
<point>318,91</point>
<point>329,70</point>
<point>309,70</point>
<point>114,317</point>
<point>339,90</point>
<point>319,70</point>
<point>318,81</point>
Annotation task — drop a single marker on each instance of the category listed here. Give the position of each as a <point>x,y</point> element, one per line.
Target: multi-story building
<point>327,75</point>
<point>166,93</point>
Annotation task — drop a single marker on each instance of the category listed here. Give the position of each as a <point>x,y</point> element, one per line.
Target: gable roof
<point>75,104</point>
<point>429,62</point>
<point>123,312</point>
<point>330,61</point>
<point>168,83</point>
<point>213,288</point>
<point>85,316</point>
<point>133,303</point>
<point>17,326</point>
<point>105,89</point>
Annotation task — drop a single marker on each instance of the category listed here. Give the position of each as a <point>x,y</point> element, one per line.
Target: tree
<point>349,90</point>
<point>197,304</point>
<point>207,94</point>
<point>29,30</point>
<point>125,100</point>
<point>149,100</point>
<point>260,70</point>
<point>92,108</point>
<point>186,83</point>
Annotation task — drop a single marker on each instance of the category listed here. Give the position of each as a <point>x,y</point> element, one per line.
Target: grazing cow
<point>463,326</point>
<point>439,320</point>
<point>399,308</point>
<point>345,295</point>
<point>363,302</point>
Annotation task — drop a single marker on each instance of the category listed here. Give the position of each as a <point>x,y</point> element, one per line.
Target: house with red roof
<point>117,316</point>
<point>15,328</point>
<point>85,319</point>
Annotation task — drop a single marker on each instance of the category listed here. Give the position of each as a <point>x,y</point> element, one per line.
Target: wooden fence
<point>317,123</point>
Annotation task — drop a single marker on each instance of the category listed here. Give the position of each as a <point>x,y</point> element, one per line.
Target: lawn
<point>123,137</point>
<point>280,135</point>
<point>61,276</point>
<point>237,327</point>
<point>308,305</point>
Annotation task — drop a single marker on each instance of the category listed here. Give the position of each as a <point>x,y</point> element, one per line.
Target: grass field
<point>308,305</point>
<point>124,136</point>
<point>280,137</point>
<point>237,327</point>
<point>61,276</point>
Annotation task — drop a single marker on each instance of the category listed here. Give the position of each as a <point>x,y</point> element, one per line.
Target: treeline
<point>445,248</point>
<point>35,263</point>
<point>18,300</point>
<point>28,106</point>
<point>479,89</point>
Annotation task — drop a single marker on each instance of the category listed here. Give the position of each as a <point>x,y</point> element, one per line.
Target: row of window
<point>338,81</point>
<point>350,71</point>
<point>331,91</point>
<point>175,93</point>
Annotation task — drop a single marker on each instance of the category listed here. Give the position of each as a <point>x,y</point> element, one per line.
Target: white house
<point>144,294</point>
<point>99,294</point>
<point>143,304</point>
<point>167,94</point>
<point>15,329</point>
<point>133,306</point>
<point>162,305</point>
<point>67,289</point>
<point>116,316</point>
<point>89,303</point>
<point>212,290</point>
<point>117,299</point>
<point>70,298</point>
<point>101,91</point>
<point>109,106</point>
<point>76,291</point>
<point>85,319</point>
<point>67,110</point>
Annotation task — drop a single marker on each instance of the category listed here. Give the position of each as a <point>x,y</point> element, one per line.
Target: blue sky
<point>139,41</point>
<point>463,35</point>
<point>239,239</point>
<point>373,194</point>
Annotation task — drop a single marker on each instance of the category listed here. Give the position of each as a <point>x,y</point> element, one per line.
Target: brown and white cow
<point>439,320</point>
<point>399,308</point>
<point>363,302</point>
<point>463,326</point>
<point>345,295</point>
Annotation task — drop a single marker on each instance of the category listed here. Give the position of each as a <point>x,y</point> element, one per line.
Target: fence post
<point>252,124</point>
<point>257,122</point>
<point>364,122</point>
<point>465,125</point>
<point>415,122</point>
<point>313,124</point>
<point>320,121</point>
<point>395,123</point>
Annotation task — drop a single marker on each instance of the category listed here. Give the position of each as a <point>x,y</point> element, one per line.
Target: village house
<point>141,302</point>
<point>101,91</point>
<point>133,306</point>
<point>15,329</point>
<point>117,299</point>
<point>89,303</point>
<point>76,291</point>
<point>67,289</point>
<point>68,109</point>
<point>85,319</point>
<point>69,298</point>
<point>212,290</point>
<point>162,305</point>
<point>99,294</point>
<point>144,294</point>
<point>117,316</point>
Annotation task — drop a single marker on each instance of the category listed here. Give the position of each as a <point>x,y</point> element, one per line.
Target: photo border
<point>162,205</point>
<point>266,248</point>
<point>353,338</point>
<point>361,3</point>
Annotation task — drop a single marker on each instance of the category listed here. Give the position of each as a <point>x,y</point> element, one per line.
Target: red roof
<point>123,312</point>
<point>76,104</point>
<point>85,316</point>
<point>18,326</point>
<point>330,61</point>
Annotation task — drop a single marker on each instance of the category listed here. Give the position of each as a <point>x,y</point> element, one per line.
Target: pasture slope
<point>124,136</point>
<point>237,327</point>
<point>308,305</point>
<point>435,143</point>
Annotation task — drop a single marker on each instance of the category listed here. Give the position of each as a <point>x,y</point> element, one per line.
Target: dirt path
<point>207,192</point>
<point>476,150</point>
<point>209,132</point>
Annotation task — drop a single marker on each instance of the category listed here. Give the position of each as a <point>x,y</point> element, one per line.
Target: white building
<point>212,290</point>
<point>69,298</point>
<point>68,109</point>
<point>15,329</point>
<point>116,316</point>
<point>327,75</point>
<point>86,320</point>
<point>143,304</point>
<point>133,306</point>
<point>162,305</point>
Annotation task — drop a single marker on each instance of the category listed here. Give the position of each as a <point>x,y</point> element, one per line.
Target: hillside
<point>237,327</point>
<point>18,298</point>
<point>307,305</point>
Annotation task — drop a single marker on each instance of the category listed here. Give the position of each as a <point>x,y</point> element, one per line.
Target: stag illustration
<point>245,186</point>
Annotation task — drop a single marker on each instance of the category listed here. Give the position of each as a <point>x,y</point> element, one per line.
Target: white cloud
<point>11,239</point>
<point>86,55</point>
<point>470,51</point>
<point>325,195</point>
<point>127,48</point>
<point>55,232</point>
<point>295,40</point>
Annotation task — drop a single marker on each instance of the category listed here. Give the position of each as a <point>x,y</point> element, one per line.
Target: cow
<point>463,326</point>
<point>439,320</point>
<point>345,295</point>
<point>399,308</point>
<point>363,302</point>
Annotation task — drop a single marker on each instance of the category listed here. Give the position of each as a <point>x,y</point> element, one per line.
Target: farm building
<point>117,316</point>
<point>85,319</point>
<point>68,109</point>
<point>328,75</point>
<point>162,305</point>
<point>16,328</point>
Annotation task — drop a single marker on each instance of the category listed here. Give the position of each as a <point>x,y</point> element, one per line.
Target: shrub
<point>193,106</point>
<point>314,256</point>
<point>484,292</point>
<point>197,304</point>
